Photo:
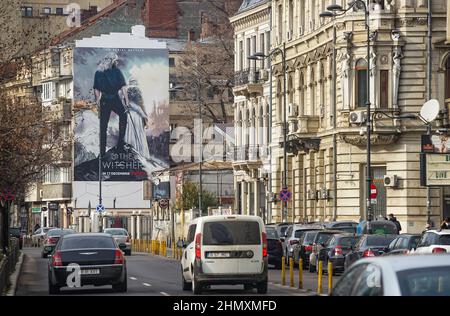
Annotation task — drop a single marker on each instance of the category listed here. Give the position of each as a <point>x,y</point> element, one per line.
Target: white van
<point>225,249</point>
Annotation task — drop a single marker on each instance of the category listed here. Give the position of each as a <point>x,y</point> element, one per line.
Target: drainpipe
<point>429,65</point>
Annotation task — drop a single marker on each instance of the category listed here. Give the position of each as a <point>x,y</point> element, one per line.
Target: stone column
<point>256,194</point>
<point>243,198</point>
<point>373,78</point>
<point>398,55</point>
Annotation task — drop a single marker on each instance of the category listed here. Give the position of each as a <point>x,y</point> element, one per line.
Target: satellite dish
<point>430,110</point>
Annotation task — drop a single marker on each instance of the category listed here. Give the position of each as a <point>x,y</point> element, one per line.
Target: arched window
<point>447,78</point>
<point>291,16</point>
<point>291,90</point>
<point>239,131</point>
<point>361,83</point>
<point>279,101</point>
<point>261,126</point>
<point>253,128</point>
<point>267,124</point>
<point>302,94</point>
<point>313,93</point>
<point>247,131</point>
<point>322,84</point>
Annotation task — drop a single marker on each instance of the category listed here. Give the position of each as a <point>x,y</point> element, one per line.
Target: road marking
<point>146,284</point>
<point>164,293</point>
<point>133,278</point>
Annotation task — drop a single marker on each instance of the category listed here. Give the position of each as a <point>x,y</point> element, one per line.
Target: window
<point>47,91</point>
<point>66,176</point>
<point>231,233</point>
<point>171,62</point>
<point>313,14</point>
<point>241,55</point>
<point>59,11</point>
<point>345,285</point>
<point>447,78</point>
<point>312,102</point>
<point>27,11</point>
<point>291,16</point>
<point>425,281</point>
<point>302,16</point>
<point>280,22</point>
<point>249,51</point>
<point>369,282</point>
<point>262,47</point>
<point>46,10</point>
<point>361,83</point>
<point>52,175</point>
<point>384,88</point>
<point>302,93</point>
<point>191,234</point>
<point>267,48</point>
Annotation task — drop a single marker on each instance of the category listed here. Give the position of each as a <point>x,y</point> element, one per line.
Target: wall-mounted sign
<point>435,160</point>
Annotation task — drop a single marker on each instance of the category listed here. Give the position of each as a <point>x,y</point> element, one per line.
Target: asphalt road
<point>147,275</point>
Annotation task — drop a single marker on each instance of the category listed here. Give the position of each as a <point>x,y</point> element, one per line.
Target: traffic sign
<point>163,203</point>
<point>373,191</point>
<point>285,195</point>
<point>100,208</point>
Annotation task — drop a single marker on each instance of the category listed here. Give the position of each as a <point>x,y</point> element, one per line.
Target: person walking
<point>393,219</point>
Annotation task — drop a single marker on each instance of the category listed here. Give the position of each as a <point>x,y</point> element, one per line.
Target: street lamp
<point>197,85</point>
<point>259,56</point>
<point>336,10</point>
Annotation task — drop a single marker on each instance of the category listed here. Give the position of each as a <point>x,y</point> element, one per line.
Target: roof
<point>87,235</point>
<point>440,232</point>
<point>407,262</point>
<point>206,165</point>
<point>224,217</point>
<point>250,4</point>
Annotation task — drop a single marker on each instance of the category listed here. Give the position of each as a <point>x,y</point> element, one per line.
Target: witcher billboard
<point>121,101</point>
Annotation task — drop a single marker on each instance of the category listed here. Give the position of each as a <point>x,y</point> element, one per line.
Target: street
<point>148,275</point>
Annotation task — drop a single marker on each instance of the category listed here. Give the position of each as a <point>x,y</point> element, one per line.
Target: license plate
<point>218,255</point>
<point>90,271</point>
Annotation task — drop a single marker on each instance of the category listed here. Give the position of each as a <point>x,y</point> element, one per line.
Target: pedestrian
<point>446,223</point>
<point>393,219</point>
<point>36,227</point>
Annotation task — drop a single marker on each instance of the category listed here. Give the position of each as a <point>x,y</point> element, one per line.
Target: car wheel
<point>121,287</point>
<point>196,286</point>
<point>261,288</point>
<point>185,285</point>
<point>53,289</point>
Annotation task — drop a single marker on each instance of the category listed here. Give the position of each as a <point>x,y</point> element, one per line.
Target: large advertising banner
<point>121,101</point>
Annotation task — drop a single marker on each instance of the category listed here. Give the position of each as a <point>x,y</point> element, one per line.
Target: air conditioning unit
<point>264,74</point>
<point>289,35</point>
<point>390,181</point>
<point>41,194</point>
<point>357,117</point>
<point>292,110</point>
<point>300,30</point>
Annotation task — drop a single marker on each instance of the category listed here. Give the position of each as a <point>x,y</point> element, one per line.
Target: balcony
<point>59,110</point>
<point>249,82</point>
<point>248,157</point>
<point>303,124</point>
<point>56,192</point>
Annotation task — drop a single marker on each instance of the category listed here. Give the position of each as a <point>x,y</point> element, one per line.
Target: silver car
<point>293,235</point>
<point>403,275</point>
<point>121,236</point>
<point>39,235</point>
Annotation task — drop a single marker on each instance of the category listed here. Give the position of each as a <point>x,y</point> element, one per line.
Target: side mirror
<point>122,247</point>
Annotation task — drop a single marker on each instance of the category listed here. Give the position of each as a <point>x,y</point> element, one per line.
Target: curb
<point>15,276</point>
<point>303,291</point>
<point>159,256</point>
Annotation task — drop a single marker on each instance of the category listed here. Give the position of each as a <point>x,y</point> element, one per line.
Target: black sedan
<point>368,246</point>
<point>403,244</point>
<point>274,247</point>
<point>87,259</point>
<point>336,249</point>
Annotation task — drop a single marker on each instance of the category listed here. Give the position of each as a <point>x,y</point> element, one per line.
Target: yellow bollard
<point>291,272</point>
<point>300,273</point>
<point>319,281</point>
<point>149,246</point>
<point>283,271</point>
<point>330,277</point>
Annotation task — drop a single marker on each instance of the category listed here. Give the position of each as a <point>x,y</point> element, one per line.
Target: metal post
<point>429,65</point>
<point>285,131</point>
<point>269,205</point>
<point>334,125</point>
<point>368,175</point>
<point>200,190</point>
<point>100,171</point>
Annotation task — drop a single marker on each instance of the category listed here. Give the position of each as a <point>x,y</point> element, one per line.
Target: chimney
<point>161,18</point>
<point>138,31</point>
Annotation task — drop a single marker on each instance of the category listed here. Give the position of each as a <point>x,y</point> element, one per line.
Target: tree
<point>189,198</point>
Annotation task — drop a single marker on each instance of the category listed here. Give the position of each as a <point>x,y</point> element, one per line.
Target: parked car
<point>403,244</point>
<point>51,239</point>
<point>335,250</point>
<point>293,235</point>
<point>304,248</point>
<point>434,241</point>
<point>225,250</point>
<point>318,243</point>
<point>281,228</point>
<point>344,226</point>
<point>121,236</point>
<point>17,233</point>
<point>427,275</point>
<point>274,247</point>
<point>377,227</point>
<point>102,262</point>
<point>368,246</point>
<point>38,236</point>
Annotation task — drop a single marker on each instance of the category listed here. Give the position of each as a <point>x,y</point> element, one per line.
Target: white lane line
<point>164,293</point>
<point>133,278</point>
<point>146,284</point>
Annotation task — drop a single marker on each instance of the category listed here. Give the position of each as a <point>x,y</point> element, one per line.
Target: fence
<point>8,264</point>
<point>156,247</point>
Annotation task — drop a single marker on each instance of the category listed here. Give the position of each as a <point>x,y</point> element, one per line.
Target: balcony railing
<point>247,76</point>
<point>251,153</point>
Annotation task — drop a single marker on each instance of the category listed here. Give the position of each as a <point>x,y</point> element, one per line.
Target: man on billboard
<point>108,81</point>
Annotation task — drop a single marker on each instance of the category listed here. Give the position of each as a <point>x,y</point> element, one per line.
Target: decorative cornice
<point>375,139</point>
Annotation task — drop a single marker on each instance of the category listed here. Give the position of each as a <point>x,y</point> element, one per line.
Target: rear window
<point>87,243</point>
<point>309,237</point>
<point>347,241</point>
<point>348,229</point>
<point>271,233</point>
<point>444,240</point>
<point>116,232</point>
<point>299,233</point>
<point>379,240</point>
<point>60,232</point>
<point>231,233</point>
<point>425,282</point>
<point>324,237</point>
<point>383,228</point>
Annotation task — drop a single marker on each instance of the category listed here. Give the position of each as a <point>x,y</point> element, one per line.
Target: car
<point>280,227</point>
<point>227,250</point>
<point>100,259</point>
<point>293,235</point>
<point>318,243</point>
<point>403,244</point>
<point>434,241</point>
<point>404,275</point>
<point>377,227</point>
<point>274,247</point>
<point>303,249</point>
<point>344,226</point>
<point>38,236</point>
<point>368,246</point>
<point>17,233</point>
<point>121,236</point>
<point>51,239</point>
<point>335,250</point>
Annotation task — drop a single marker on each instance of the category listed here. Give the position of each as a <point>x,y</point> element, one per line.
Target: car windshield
<point>309,237</point>
<point>271,233</point>
<point>88,242</point>
<point>324,237</point>
<point>444,240</point>
<point>379,240</point>
<point>47,229</point>
<point>59,232</point>
<point>347,241</point>
<point>231,233</point>
<point>116,232</point>
<point>382,228</point>
<point>425,281</point>
<point>283,229</point>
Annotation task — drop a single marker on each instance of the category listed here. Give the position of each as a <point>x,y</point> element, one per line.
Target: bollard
<point>319,281</point>
<point>283,271</point>
<point>330,277</point>
<point>300,273</point>
<point>291,272</point>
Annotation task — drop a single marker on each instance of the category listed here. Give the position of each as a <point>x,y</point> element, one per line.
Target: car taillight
<point>308,248</point>
<point>198,247</point>
<point>293,242</point>
<point>52,240</point>
<point>56,259</point>
<point>439,250</point>
<point>264,240</point>
<point>368,253</point>
<point>338,251</point>
<point>118,257</point>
